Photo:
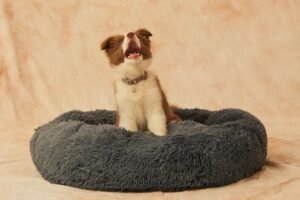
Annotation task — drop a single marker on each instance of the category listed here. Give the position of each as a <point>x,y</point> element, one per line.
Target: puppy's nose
<point>130,35</point>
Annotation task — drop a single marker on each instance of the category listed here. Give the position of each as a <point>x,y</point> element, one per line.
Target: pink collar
<point>136,80</point>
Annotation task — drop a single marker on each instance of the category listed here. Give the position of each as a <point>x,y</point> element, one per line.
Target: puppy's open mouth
<point>133,51</point>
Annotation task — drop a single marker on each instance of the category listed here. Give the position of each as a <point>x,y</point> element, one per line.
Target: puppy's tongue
<point>133,55</point>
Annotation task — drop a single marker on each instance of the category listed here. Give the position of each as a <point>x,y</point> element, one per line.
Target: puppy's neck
<point>131,70</point>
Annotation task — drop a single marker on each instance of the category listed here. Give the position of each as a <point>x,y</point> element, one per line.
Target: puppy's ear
<point>112,42</point>
<point>105,44</point>
<point>143,33</point>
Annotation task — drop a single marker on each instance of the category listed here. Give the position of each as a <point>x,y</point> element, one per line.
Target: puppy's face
<point>132,48</point>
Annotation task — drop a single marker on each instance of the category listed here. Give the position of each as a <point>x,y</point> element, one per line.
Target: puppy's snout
<point>130,35</point>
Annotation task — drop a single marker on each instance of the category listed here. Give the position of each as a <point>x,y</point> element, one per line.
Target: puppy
<point>141,102</point>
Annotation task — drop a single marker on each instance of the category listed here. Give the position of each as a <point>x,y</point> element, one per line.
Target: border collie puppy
<point>141,102</point>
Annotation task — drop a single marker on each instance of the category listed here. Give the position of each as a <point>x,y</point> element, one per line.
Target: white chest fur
<point>140,105</point>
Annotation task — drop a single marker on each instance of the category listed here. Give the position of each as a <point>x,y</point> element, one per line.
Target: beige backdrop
<point>208,54</point>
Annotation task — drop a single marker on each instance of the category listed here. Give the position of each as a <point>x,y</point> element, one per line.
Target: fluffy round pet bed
<point>206,149</point>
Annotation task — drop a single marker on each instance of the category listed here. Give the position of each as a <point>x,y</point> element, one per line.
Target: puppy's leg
<point>127,116</point>
<point>154,112</point>
<point>156,119</point>
<point>128,122</point>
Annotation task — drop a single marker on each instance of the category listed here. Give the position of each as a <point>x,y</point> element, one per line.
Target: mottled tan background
<point>208,54</point>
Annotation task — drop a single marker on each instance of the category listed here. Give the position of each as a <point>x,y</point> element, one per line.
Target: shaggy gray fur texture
<point>206,149</point>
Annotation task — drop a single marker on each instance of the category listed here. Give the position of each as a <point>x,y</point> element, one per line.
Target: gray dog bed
<point>206,149</point>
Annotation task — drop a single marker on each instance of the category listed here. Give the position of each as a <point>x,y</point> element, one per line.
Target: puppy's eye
<point>117,42</point>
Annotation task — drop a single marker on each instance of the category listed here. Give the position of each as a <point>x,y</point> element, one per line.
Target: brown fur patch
<point>113,49</point>
<point>144,36</point>
<point>169,111</point>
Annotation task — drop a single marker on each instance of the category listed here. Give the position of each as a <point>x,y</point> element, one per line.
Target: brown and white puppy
<point>141,102</point>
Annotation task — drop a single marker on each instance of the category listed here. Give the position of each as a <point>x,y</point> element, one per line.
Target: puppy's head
<point>131,48</point>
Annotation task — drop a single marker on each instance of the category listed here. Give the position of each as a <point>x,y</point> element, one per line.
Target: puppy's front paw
<point>128,125</point>
<point>157,123</point>
<point>159,129</point>
<point>160,133</point>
